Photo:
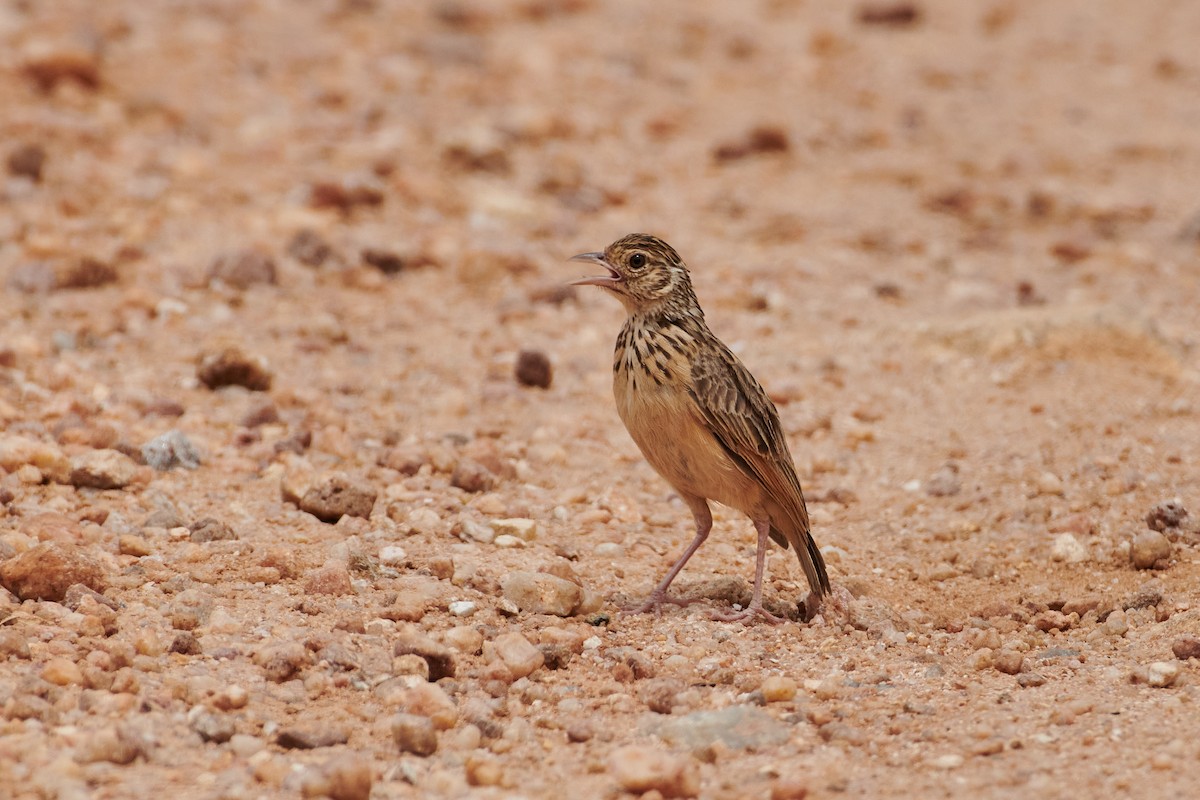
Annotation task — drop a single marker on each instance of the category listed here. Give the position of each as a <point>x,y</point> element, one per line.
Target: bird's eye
<point>637,261</point>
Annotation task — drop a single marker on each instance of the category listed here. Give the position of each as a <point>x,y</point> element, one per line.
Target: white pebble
<point>392,556</point>
<point>1068,549</point>
<point>609,550</point>
<point>505,540</point>
<point>463,608</point>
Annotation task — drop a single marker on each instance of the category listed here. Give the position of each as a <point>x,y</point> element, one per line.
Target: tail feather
<point>807,553</point>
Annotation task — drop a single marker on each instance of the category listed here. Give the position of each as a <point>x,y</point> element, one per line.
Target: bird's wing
<point>738,413</point>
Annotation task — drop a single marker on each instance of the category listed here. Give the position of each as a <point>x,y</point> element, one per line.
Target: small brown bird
<point>698,415</point>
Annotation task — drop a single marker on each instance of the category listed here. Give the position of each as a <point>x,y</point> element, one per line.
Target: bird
<point>699,417</point>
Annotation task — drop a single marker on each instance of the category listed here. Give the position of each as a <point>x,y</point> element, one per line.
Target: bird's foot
<point>654,604</point>
<point>749,614</point>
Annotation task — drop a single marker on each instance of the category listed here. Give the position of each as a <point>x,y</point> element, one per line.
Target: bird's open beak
<point>613,278</point>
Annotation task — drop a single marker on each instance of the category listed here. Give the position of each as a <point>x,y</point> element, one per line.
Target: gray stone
<point>737,727</point>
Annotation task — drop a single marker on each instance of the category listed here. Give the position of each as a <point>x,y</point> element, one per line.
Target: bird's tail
<point>809,555</point>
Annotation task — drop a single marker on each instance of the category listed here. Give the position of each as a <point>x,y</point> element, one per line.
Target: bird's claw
<point>654,604</point>
<point>748,615</point>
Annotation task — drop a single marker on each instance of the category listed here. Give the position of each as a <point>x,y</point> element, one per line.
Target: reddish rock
<point>46,571</point>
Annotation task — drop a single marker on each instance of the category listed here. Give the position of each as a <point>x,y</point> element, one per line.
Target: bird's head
<point>644,272</point>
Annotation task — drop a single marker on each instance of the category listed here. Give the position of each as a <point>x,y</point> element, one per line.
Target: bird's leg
<point>658,597</point>
<point>755,609</point>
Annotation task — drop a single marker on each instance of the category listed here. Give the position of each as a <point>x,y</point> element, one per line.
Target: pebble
<point>310,738</point>
<point>62,672</point>
<point>517,653</point>
<point>1116,624</point>
<point>475,531</point>
<point>46,571</point>
<point>234,367</point>
<point>778,688</point>
<point>437,655</point>
<point>102,469</point>
<point>210,530</point>
<point>334,495</point>
<point>1184,647</point>
<point>1009,662</point>
<point>129,544</point>
<point>1168,514</point>
<point>27,161</point>
<point>640,769</point>
<point>1067,549</point>
<point>423,520</point>
<point>464,639</point>
<point>429,700</point>
<point>1028,680</point>
<point>1049,483</point>
<point>392,556</point>
<point>309,247</point>
<point>947,761</point>
<point>13,644</point>
<point>20,451</point>
<point>533,369</point>
<point>243,269</point>
<point>525,529</point>
<point>49,63</point>
<point>282,660</point>
<point>1162,674</point>
<point>216,728</point>
<point>169,450</point>
<point>244,745</point>
<point>414,734</point>
<point>483,770</point>
<point>508,542</point>
<point>471,476</point>
<point>944,483</point>
<point>116,745</point>
<point>346,776</point>
<point>332,578</point>
<point>1150,550</point>
<point>740,727</point>
<point>463,608</point>
<point>541,593</point>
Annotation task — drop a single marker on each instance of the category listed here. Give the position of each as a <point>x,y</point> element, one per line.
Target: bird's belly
<point>665,427</point>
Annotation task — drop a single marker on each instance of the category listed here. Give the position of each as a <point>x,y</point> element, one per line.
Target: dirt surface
<point>311,479</point>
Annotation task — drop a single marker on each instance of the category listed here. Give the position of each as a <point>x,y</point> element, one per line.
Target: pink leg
<point>658,597</point>
<point>755,608</point>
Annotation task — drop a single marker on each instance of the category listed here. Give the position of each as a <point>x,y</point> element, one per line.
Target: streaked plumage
<point>697,414</point>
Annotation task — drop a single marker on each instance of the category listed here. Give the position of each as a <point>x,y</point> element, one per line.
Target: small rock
<point>347,194</point>
<point>521,657</point>
<point>1116,624</point>
<point>542,593</point>
<point>13,644</point>
<point>46,571</point>
<point>1184,647</point>
<point>116,745</point>
<point>778,688</point>
<point>660,694</point>
<point>85,272</point>
<point>1029,680</point>
<point>392,556</point>
<point>336,495</point>
<point>414,734</point>
<point>739,727</point>
<point>19,451</point>
<point>102,469</point>
<point>332,578</point>
<point>760,139</point>
<point>233,367</point>
<point>482,770</point>
<point>1049,483</point>
<point>169,450</point>
<point>1148,595</point>
<point>185,643</point>
<point>1162,674</point>
<point>27,161</point>
<point>386,261</point>
<point>1009,662</point>
<point>211,530</point>
<point>423,520</point>
<point>310,738</point>
<point>243,745</point>
<point>580,730</point>
<point>437,655</point>
<point>282,660</point>
<point>463,608</point>
<point>471,476</point>
<point>1168,514</point>
<point>49,63</point>
<point>430,701</point>
<point>347,776</point>
<point>789,789</point>
<point>243,269</point>
<point>640,769</point>
<point>524,529</point>
<point>889,14</point>
<point>129,544</point>
<point>1150,550</point>
<point>945,482</point>
<point>947,761</point>
<point>533,369</point>
<point>217,728</point>
<point>1067,549</point>
<point>62,672</point>
<point>309,248</point>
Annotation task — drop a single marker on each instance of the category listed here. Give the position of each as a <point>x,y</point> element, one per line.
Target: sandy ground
<point>958,242</point>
